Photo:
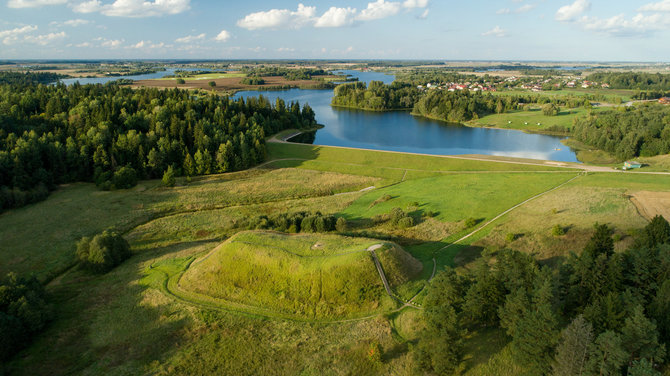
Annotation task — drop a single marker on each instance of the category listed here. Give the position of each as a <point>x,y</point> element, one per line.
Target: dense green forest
<point>29,78</point>
<point>376,96</point>
<point>599,313</point>
<point>114,135</point>
<point>450,106</point>
<point>633,80</point>
<point>291,74</point>
<point>627,132</point>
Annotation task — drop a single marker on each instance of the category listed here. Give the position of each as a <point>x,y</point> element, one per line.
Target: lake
<point>400,131</point>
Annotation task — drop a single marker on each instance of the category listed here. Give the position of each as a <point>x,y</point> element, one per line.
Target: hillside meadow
<point>142,318</point>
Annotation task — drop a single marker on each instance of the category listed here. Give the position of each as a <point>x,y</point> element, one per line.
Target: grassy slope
<point>40,238</point>
<point>121,323</point>
<point>284,274</point>
<point>534,116</point>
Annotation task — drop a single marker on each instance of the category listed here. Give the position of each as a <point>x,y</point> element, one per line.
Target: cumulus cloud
<point>25,34</point>
<point>336,17</point>
<point>44,39</point>
<point>110,43</point>
<point>661,6</point>
<point>134,8</point>
<point>409,4</point>
<point>620,26</point>
<point>190,38</point>
<point>379,9</point>
<point>333,17</point>
<point>142,45</point>
<point>285,49</point>
<point>571,12</point>
<point>76,22</point>
<point>495,32</point>
<point>33,3</point>
<point>522,9</point>
<point>223,36</point>
<point>13,35</point>
<point>278,18</point>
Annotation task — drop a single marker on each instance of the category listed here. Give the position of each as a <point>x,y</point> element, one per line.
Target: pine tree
<point>607,356</point>
<point>639,337</point>
<point>573,348</point>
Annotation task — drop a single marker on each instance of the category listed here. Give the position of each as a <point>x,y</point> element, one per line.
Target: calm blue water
<point>400,131</point>
<point>104,80</point>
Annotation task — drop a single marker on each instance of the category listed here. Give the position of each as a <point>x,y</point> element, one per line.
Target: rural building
<point>628,165</point>
<point>664,100</point>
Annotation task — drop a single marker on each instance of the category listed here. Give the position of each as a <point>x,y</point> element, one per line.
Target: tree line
<point>598,313</point>
<point>633,80</point>
<point>444,105</point>
<point>627,132</point>
<point>111,134</point>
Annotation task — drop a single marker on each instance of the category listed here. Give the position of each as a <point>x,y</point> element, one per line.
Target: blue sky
<point>563,30</point>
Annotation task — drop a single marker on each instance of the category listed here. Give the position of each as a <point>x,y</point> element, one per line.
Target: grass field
<point>144,317</point>
<point>41,238</point>
<point>625,95</point>
<point>310,276</point>
<point>532,120</point>
<point>209,76</point>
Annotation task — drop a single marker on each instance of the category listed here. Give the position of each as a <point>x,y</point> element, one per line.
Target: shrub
<point>180,81</point>
<point>470,222</point>
<point>124,178</point>
<point>102,253</point>
<point>396,215</point>
<point>341,225</point>
<point>510,237</point>
<point>557,230</point>
<point>406,222</point>
<point>211,84</point>
<point>168,177</point>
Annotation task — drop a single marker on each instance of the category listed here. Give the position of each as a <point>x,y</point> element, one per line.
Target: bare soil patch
<point>650,204</point>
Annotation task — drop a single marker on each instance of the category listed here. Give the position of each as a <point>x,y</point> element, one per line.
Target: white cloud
<point>190,38</point>
<point>134,8</point>
<point>495,32</point>
<point>285,49</point>
<point>45,39</point>
<point>424,15</point>
<point>503,11</point>
<point>336,17</point>
<point>13,35</point>
<point>409,4</point>
<point>111,43</point>
<point>522,9</point>
<point>278,18</point>
<point>223,36</point>
<point>572,11</point>
<point>83,45</point>
<point>620,26</point>
<point>147,45</point>
<point>33,3</point>
<point>661,6</point>
<point>77,22</point>
<point>379,9</point>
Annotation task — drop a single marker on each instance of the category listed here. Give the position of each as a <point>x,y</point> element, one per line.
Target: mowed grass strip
<point>350,160</point>
<point>310,276</point>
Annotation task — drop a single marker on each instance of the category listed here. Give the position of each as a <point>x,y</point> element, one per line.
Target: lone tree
<point>550,109</point>
<point>103,252</point>
<point>212,84</point>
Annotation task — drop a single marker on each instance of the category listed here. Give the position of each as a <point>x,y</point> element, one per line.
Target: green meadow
<point>204,295</point>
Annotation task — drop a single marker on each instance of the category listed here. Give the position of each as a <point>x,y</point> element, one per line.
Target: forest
<point>376,96</point>
<point>633,80</point>
<point>114,135</point>
<point>627,132</point>
<point>444,105</point>
<point>598,313</point>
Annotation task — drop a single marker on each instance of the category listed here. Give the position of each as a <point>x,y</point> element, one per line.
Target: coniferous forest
<point>114,135</point>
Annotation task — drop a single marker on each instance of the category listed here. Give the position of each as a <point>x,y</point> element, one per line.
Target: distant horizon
<point>328,60</point>
<point>427,30</point>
